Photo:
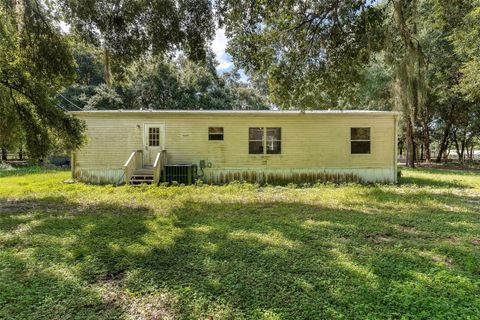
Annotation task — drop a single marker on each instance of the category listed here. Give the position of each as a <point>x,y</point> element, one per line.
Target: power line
<point>71,103</point>
<point>59,106</point>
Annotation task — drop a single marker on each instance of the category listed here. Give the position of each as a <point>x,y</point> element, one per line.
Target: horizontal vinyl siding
<point>308,140</point>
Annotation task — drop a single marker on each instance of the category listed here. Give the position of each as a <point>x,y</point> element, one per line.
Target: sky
<point>219,44</point>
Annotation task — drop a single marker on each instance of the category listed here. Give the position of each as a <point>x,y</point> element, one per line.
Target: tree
<point>374,92</point>
<point>185,84</point>
<point>127,30</point>
<point>35,62</point>
<point>312,52</point>
<point>406,54</point>
<point>89,75</point>
<point>466,41</point>
<point>448,107</point>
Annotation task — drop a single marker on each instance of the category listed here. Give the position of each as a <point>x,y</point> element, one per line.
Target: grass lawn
<point>77,251</point>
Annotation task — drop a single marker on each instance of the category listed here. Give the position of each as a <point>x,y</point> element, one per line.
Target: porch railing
<point>133,163</point>
<point>160,161</point>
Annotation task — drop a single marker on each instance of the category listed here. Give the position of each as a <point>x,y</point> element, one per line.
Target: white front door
<point>153,140</point>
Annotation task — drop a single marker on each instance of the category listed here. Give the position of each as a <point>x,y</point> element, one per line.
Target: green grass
<point>78,251</point>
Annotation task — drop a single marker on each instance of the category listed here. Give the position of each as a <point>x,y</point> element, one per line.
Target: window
<point>255,140</point>
<point>274,144</point>
<point>360,140</point>
<point>264,140</point>
<point>153,137</point>
<point>215,133</point>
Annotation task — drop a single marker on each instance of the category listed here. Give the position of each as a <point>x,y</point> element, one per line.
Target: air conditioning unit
<point>181,173</point>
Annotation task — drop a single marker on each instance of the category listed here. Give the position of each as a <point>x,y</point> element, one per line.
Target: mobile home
<point>220,146</point>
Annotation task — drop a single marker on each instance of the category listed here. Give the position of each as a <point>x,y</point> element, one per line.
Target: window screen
<point>264,140</point>
<point>215,133</point>
<point>360,140</point>
<point>153,137</point>
<point>255,140</point>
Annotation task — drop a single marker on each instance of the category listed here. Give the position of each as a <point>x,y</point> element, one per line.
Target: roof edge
<point>238,112</point>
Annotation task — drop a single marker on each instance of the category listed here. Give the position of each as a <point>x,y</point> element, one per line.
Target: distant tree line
<point>157,83</point>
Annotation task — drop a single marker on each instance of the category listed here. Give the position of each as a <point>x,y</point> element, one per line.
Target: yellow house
<point>221,146</point>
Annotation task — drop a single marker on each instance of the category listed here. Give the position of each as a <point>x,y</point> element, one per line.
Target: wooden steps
<point>142,176</point>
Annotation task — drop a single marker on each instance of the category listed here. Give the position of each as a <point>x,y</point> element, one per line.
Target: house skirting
<point>270,175</point>
<point>100,176</point>
<point>301,175</point>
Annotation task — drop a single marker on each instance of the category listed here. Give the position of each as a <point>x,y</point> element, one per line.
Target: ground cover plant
<point>78,251</point>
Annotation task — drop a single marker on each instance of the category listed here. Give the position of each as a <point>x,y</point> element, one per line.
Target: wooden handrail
<point>130,159</point>
<point>130,166</point>
<point>157,159</point>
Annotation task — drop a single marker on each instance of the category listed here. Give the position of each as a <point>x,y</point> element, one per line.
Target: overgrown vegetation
<point>241,250</point>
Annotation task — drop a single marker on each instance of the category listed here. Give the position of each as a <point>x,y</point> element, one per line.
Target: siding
<point>319,141</point>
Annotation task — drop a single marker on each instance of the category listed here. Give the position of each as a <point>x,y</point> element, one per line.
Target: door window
<point>153,137</point>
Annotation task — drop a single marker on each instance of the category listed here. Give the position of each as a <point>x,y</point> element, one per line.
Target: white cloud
<point>225,62</point>
<point>219,44</point>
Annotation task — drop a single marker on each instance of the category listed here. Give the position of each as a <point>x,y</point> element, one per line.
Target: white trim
<point>161,147</point>
<point>246,112</point>
<point>129,159</point>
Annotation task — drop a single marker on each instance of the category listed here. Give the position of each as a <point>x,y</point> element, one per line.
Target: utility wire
<point>60,107</point>
<point>71,103</point>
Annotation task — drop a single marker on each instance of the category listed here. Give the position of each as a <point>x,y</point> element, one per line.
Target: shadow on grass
<point>30,170</point>
<point>427,182</point>
<point>233,260</point>
<point>441,178</point>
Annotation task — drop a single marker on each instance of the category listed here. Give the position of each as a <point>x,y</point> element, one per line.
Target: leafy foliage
<point>312,51</point>
<point>35,62</point>
<point>129,30</point>
<point>165,84</point>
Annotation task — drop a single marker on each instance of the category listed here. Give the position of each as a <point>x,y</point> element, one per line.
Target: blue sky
<point>219,44</point>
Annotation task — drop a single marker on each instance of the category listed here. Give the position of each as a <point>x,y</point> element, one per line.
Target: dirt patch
<point>154,306</point>
<point>476,242</point>
<point>407,228</point>
<point>21,206</point>
<point>378,237</point>
<point>61,206</point>
<point>451,239</point>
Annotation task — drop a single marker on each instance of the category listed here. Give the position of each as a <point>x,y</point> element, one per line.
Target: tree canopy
<point>36,61</point>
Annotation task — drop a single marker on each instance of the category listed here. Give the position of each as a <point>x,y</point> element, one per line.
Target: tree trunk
<point>426,142</point>
<point>457,146</point>
<point>447,152</point>
<point>4,154</point>
<point>444,142</point>
<point>421,152</point>
<point>410,158</point>
<point>107,68</point>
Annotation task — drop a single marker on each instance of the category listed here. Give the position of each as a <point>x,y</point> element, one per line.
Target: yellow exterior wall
<point>310,141</point>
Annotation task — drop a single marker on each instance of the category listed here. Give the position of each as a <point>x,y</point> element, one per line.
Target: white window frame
<point>361,140</point>
<point>265,141</point>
